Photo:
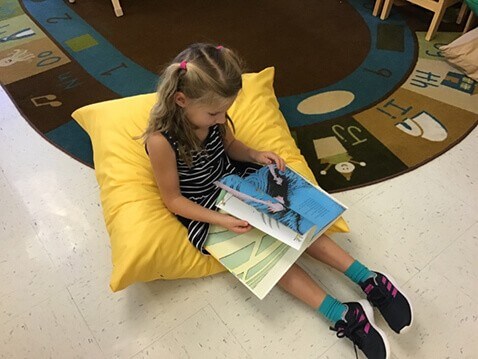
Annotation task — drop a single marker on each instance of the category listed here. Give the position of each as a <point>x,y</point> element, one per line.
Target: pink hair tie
<point>183,65</point>
<point>219,47</point>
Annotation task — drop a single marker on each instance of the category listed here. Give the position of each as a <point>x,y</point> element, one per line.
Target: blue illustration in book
<point>284,196</point>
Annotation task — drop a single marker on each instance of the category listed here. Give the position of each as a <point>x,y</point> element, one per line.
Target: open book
<point>288,213</point>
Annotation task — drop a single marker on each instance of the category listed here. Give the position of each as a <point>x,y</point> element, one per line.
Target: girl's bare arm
<point>163,161</point>
<point>236,150</point>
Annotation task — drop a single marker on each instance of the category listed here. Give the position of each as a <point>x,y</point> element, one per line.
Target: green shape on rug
<point>431,49</point>
<point>81,43</point>
<point>9,9</point>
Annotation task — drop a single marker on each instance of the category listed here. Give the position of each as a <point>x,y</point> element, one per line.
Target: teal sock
<point>332,309</point>
<point>358,273</point>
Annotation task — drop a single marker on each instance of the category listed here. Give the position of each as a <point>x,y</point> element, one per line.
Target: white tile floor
<point>55,263</point>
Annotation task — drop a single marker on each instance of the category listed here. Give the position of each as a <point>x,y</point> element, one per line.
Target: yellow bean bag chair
<point>147,241</point>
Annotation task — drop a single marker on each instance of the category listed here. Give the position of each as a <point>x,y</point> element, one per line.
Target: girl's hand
<point>235,225</point>
<point>267,158</point>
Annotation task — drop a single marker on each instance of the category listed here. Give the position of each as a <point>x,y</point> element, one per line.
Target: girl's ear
<point>180,99</point>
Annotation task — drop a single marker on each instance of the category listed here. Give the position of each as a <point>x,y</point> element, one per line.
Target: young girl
<point>190,147</point>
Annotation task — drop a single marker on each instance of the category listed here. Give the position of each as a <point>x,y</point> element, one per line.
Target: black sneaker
<point>360,328</point>
<point>390,301</point>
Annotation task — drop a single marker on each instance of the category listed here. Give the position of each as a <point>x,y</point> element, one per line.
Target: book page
<point>257,219</point>
<point>308,201</point>
<point>258,260</point>
<point>255,195</point>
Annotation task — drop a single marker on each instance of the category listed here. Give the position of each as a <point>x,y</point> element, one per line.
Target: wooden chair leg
<point>435,23</point>
<point>117,7</point>
<point>386,9</point>
<point>469,22</point>
<point>377,7</point>
<point>462,13</point>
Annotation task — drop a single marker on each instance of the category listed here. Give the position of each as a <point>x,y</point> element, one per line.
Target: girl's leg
<point>327,251</point>
<point>379,288</point>
<point>298,283</point>
<point>354,319</point>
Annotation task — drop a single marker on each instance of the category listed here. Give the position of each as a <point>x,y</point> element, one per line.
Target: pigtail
<point>164,107</point>
<point>203,73</point>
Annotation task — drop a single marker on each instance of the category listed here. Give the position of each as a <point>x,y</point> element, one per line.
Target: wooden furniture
<point>471,17</point>
<point>116,7</point>
<point>437,6</point>
<point>377,7</point>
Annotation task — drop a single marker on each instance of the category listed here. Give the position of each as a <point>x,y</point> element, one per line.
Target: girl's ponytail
<point>165,106</point>
<point>204,73</point>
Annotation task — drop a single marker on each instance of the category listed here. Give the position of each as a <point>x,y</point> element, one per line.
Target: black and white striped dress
<point>197,182</point>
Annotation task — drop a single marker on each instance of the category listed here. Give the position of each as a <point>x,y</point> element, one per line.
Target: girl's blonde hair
<point>211,73</point>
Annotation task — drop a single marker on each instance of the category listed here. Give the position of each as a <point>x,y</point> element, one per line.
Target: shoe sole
<point>406,328</point>
<point>367,308</point>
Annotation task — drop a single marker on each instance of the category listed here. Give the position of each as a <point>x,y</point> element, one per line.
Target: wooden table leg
<point>437,17</point>
<point>377,7</point>
<point>462,13</point>
<point>469,22</point>
<point>386,9</point>
<point>117,7</point>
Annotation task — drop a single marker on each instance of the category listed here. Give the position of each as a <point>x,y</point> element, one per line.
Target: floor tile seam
<point>443,278</point>
<point>59,232</point>
<point>381,227</point>
<point>430,262</point>
<point>15,203</point>
<point>362,209</point>
<point>459,289</point>
<point>42,244</point>
<point>49,257</point>
<point>228,329</point>
<point>415,227</point>
<point>366,195</point>
<point>85,322</point>
<point>38,217</point>
<point>17,199</point>
<point>7,181</point>
<point>157,339</point>
<point>77,197</point>
<point>19,314</point>
<point>69,283</point>
<point>448,189</point>
<point>322,355</point>
<point>39,214</point>
<point>450,193</point>
<point>39,241</point>
<point>75,163</point>
<point>454,241</point>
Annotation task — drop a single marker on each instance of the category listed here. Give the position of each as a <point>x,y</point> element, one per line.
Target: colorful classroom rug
<point>365,99</point>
